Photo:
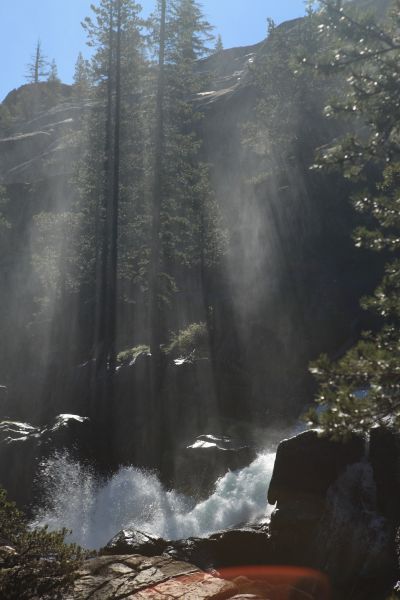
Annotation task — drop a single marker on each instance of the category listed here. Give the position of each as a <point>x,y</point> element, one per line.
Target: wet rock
<point>308,464</point>
<point>130,541</point>
<point>66,431</point>
<point>207,459</point>
<point>236,547</point>
<point>23,446</point>
<point>136,577</point>
<point>14,431</point>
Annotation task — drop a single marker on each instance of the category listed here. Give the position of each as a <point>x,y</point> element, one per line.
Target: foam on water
<point>95,511</point>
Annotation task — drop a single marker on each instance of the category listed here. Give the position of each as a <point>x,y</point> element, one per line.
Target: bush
<point>130,355</point>
<point>34,563</point>
<point>193,339</point>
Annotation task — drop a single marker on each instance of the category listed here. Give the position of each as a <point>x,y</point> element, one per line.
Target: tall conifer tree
<point>115,33</point>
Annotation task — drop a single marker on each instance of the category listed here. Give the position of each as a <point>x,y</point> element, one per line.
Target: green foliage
<point>219,45</point>
<point>192,340</point>
<point>130,355</point>
<point>53,77</point>
<point>38,563</point>
<point>68,247</point>
<point>363,388</point>
<point>81,77</point>
<point>191,228</point>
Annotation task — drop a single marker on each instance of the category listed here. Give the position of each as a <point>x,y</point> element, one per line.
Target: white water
<point>95,511</point>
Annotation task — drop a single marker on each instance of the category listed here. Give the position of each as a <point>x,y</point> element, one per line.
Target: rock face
<point>139,578</point>
<point>331,513</point>
<point>308,464</point>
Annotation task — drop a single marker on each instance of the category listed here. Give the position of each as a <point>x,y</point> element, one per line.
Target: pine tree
<point>115,33</point>
<point>185,194</point>
<point>184,214</point>
<point>363,388</point>
<point>40,563</point>
<point>37,69</point>
<point>53,73</point>
<point>271,26</point>
<point>219,46</point>
<point>81,77</point>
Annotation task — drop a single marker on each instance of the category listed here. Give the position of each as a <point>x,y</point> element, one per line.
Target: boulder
<point>308,464</point>
<point>66,431</point>
<point>136,577</point>
<point>234,547</point>
<point>331,514</point>
<point>230,548</point>
<point>209,457</point>
<point>130,541</point>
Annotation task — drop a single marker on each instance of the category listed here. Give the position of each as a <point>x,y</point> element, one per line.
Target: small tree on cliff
<point>363,388</point>
<point>53,77</point>
<point>219,46</point>
<point>81,77</point>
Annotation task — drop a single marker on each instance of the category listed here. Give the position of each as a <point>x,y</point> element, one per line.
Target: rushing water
<point>95,511</point>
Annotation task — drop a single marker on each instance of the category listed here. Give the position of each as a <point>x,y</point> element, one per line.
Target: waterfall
<point>94,511</point>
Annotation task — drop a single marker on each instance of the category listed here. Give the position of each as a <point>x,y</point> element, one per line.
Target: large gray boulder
<point>139,578</point>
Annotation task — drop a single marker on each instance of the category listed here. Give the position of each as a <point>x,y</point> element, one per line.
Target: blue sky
<point>57,24</point>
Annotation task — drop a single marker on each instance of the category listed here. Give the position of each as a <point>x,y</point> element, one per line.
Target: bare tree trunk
<point>155,323</point>
<point>114,212</point>
<point>101,351</point>
<point>156,249</point>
